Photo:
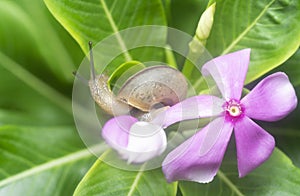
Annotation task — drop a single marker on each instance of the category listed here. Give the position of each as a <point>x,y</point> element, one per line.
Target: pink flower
<point>199,158</point>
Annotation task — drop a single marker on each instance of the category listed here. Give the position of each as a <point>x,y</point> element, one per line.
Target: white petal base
<point>145,141</point>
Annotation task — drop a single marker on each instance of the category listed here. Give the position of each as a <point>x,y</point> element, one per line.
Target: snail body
<point>105,98</point>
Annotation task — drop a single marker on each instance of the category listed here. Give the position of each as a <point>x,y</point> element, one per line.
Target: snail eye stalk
<point>93,75</point>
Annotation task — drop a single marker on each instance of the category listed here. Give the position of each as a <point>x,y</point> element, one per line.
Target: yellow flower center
<point>234,110</point>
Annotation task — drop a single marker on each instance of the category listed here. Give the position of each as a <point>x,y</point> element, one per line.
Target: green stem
<point>35,83</point>
<point>170,57</point>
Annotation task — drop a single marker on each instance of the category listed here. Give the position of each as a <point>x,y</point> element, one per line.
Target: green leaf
<point>38,32</point>
<point>292,68</point>
<point>270,28</point>
<point>185,16</point>
<point>277,176</point>
<point>188,10</point>
<point>35,72</point>
<point>123,72</point>
<point>25,93</point>
<point>287,139</point>
<point>167,7</point>
<point>103,179</point>
<point>17,117</point>
<point>35,66</point>
<point>47,161</point>
<point>97,19</point>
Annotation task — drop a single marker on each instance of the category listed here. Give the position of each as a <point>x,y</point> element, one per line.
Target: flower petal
<point>254,145</point>
<point>271,99</point>
<point>229,72</point>
<point>146,140</point>
<point>186,163</point>
<point>202,106</point>
<point>115,132</point>
<point>134,140</point>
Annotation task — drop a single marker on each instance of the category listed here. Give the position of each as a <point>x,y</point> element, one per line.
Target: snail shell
<point>150,87</point>
<point>154,85</point>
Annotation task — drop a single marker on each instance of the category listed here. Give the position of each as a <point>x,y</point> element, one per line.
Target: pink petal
<point>229,72</point>
<point>115,132</point>
<point>272,98</point>
<point>202,106</point>
<point>186,162</point>
<point>254,145</point>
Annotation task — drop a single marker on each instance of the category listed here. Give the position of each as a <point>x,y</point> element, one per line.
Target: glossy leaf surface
<point>103,179</point>
<point>270,28</point>
<point>277,176</point>
<point>47,161</point>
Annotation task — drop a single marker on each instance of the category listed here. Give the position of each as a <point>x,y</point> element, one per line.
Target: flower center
<point>233,109</point>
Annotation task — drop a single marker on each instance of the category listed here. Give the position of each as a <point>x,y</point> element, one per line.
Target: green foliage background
<point>42,43</point>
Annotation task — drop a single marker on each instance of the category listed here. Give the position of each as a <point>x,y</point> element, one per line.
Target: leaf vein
<point>75,156</point>
<point>116,31</point>
<point>136,180</point>
<point>226,50</point>
<point>223,177</point>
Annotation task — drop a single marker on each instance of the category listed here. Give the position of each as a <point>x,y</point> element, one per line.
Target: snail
<point>143,94</point>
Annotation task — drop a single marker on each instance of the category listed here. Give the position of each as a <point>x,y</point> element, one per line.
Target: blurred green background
<point>37,57</point>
